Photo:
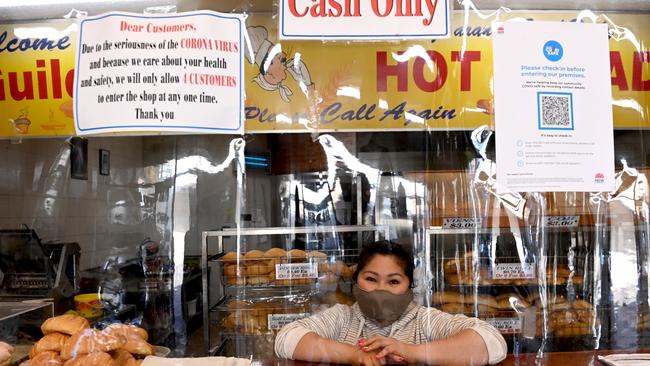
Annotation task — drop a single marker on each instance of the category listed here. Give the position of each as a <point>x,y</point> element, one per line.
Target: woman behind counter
<point>385,325</point>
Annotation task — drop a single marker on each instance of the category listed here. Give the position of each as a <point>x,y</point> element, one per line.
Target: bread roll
<point>275,253</point>
<point>230,257</point>
<point>447,297</point>
<point>48,358</point>
<point>253,255</point>
<point>258,280</point>
<point>262,268</point>
<point>317,256</point>
<point>89,341</point>
<point>126,331</point>
<point>92,359</point>
<point>123,358</point>
<point>138,346</point>
<point>234,270</point>
<point>66,324</point>
<point>236,281</point>
<point>50,342</point>
<point>296,255</point>
<point>338,267</point>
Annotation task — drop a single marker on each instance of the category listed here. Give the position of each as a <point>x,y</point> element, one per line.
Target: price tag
<point>277,321</point>
<point>504,271</point>
<point>562,221</point>
<point>293,271</point>
<point>461,223</point>
<point>506,325</point>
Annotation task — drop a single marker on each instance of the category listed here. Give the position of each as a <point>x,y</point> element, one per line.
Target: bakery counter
<point>581,358</point>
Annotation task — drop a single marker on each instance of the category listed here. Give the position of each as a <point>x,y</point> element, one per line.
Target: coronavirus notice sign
<point>170,73</point>
<point>364,19</point>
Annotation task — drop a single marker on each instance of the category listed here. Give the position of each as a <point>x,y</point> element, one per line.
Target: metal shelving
<point>212,253</point>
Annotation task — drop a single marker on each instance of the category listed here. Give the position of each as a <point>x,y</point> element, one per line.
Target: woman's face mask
<point>382,307</point>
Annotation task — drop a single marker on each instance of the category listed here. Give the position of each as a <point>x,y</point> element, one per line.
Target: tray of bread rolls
<point>71,340</point>
<point>459,271</point>
<point>240,316</point>
<point>256,268</point>
<point>566,318</point>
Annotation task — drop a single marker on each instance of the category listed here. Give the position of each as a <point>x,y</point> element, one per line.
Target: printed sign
<point>357,88</point>
<point>160,73</point>
<point>277,321</point>
<point>506,325</point>
<point>294,271</point>
<point>562,221</point>
<point>461,223</point>
<point>553,107</point>
<point>505,271</point>
<point>364,19</point>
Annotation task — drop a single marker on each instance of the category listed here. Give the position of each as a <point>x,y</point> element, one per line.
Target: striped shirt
<point>418,324</point>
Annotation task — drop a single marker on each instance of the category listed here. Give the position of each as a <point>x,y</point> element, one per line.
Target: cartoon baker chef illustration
<point>274,65</point>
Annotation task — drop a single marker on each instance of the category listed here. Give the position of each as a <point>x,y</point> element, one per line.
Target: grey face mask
<point>382,307</point>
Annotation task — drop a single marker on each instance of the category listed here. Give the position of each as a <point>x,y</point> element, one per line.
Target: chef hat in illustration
<point>258,45</point>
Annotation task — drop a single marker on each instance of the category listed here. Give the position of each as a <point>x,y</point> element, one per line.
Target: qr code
<point>555,111</point>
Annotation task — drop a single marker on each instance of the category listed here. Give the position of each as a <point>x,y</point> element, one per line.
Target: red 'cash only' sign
<point>364,19</point>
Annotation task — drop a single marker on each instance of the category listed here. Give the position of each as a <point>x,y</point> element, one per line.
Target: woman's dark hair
<point>385,247</point>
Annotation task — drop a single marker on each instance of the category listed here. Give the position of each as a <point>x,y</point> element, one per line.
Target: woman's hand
<point>363,358</point>
<point>383,347</point>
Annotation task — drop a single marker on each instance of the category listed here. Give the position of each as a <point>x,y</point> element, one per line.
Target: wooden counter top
<point>582,358</point>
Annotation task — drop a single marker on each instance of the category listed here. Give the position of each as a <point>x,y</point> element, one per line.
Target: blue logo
<point>553,51</point>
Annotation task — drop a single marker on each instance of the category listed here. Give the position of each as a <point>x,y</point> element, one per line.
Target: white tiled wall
<point>102,214</point>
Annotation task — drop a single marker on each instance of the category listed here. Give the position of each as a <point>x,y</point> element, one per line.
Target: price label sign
<point>504,271</point>
<point>461,223</point>
<point>562,221</point>
<point>294,271</point>
<point>506,325</point>
<point>277,321</point>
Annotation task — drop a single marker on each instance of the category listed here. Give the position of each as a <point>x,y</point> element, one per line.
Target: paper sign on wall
<point>553,106</point>
<point>172,73</point>
<point>364,19</point>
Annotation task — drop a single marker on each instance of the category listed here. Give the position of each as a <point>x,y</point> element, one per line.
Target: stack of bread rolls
<point>487,306</point>
<point>257,268</point>
<point>459,272</point>
<point>70,341</point>
<point>566,318</point>
<point>251,318</point>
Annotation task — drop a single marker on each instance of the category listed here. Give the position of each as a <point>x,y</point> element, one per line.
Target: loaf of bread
<point>92,359</point>
<point>48,358</point>
<point>275,253</point>
<point>89,341</point>
<point>6,354</point>
<point>66,324</point>
<point>138,346</point>
<point>123,358</point>
<point>259,268</point>
<point>50,342</point>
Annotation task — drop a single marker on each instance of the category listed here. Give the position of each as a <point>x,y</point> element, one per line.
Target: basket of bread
<point>69,340</point>
<point>258,268</point>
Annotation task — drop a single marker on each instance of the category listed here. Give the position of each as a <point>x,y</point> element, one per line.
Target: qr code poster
<point>555,111</point>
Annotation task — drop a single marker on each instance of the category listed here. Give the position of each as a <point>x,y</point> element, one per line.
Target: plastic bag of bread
<point>138,346</point>
<point>91,359</point>
<point>66,324</point>
<point>126,331</point>
<point>48,358</point>
<point>50,342</point>
<point>90,341</point>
